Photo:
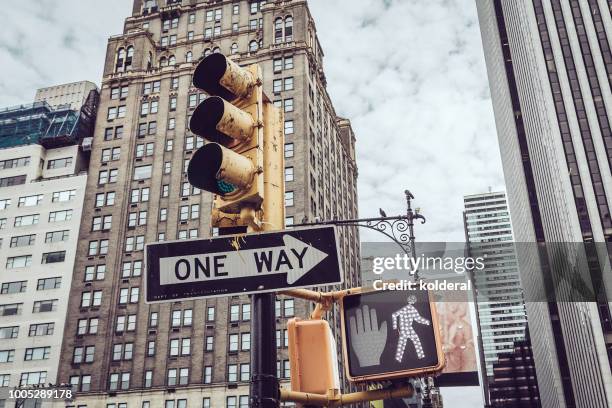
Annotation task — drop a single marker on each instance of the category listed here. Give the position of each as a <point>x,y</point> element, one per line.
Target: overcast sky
<point>409,74</point>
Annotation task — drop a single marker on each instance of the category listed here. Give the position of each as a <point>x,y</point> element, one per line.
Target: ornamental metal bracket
<point>399,228</point>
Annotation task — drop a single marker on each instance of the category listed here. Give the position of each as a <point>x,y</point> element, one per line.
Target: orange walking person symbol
<point>404,318</point>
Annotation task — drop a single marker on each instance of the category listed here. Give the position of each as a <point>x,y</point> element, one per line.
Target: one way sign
<point>253,263</point>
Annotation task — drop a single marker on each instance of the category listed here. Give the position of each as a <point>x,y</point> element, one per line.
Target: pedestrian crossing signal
<point>388,334</point>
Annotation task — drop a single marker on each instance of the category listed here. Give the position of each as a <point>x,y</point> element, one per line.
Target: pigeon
<point>382,213</point>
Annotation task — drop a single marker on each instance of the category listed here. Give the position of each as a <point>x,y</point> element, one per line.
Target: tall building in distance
<point>191,353</point>
<point>43,174</point>
<point>549,66</point>
<point>514,383</point>
<point>500,306</point>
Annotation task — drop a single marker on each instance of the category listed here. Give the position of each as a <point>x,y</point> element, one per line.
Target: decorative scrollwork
<point>398,229</point>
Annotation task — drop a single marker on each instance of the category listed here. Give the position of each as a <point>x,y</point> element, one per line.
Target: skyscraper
<point>549,66</point>
<point>192,353</point>
<point>43,173</point>
<point>500,306</point>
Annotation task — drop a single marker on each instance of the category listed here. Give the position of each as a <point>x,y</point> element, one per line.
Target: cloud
<point>411,77</point>
<point>48,42</point>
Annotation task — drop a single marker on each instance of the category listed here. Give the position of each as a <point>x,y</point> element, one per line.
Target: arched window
<point>172,60</point>
<point>130,56</point>
<point>188,56</point>
<point>207,52</point>
<point>149,61</point>
<point>120,60</point>
<point>253,46</point>
<point>278,30</point>
<point>261,43</point>
<point>234,48</point>
<point>216,49</point>
<point>288,28</point>
<point>163,62</point>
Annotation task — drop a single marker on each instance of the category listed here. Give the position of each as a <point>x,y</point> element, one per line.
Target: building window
<point>33,378</point>
<point>14,287</point>
<point>210,314</point>
<point>23,240</point>
<point>210,343</point>
<point>288,198</point>
<point>207,375</point>
<point>289,150</point>
<point>288,173</point>
<point>288,28</point>
<point>245,372</point>
<point>10,309</point>
<point>277,64</point>
<point>13,163</point>
<point>288,62</point>
<point>12,181</point>
<point>288,307</point>
<point>7,356</point>
<point>253,46</point>
<point>53,257</point>
<point>288,127</point>
<point>233,342</point>
<point>48,283</point>
<point>148,380</point>
<point>94,272</point>
<point>22,261</point>
<point>232,373</point>
<point>143,172</point>
<point>37,353</point>
<point>288,105</point>
<point>234,313</point>
<point>42,306</point>
<point>9,332</point>
<point>30,201</point>
<point>57,216</point>
<point>288,84</point>
<point>4,204</point>
<point>277,85</point>
<point>59,163</point>
<point>245,341</point>
<point>234,48</point>
<point>289,221</point>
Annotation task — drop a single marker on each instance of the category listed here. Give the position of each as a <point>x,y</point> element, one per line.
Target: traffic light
<point>242,160</point>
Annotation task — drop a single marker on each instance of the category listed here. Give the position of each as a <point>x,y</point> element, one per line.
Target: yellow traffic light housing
<point>313,357</point>
<point>231,120</point>
<point>242,163</point>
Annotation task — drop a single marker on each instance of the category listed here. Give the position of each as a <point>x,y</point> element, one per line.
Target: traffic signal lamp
<point>238,122</point>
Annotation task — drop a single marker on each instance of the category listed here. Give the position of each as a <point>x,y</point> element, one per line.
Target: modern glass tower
<point>549,67</point>
<point>500,305</point>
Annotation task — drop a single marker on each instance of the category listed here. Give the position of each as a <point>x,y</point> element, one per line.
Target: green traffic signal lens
<point>225,187</point>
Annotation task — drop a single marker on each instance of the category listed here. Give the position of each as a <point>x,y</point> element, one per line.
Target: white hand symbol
<point>367,339</point>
